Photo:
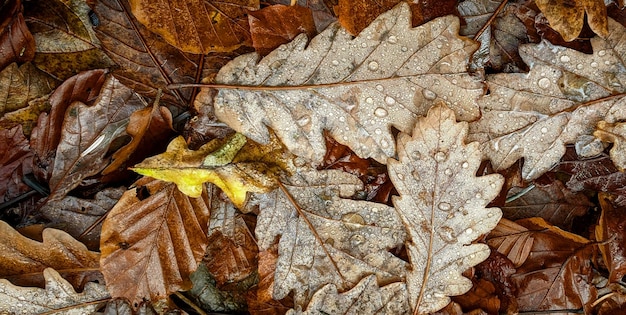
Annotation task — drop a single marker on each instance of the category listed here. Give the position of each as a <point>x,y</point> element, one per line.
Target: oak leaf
<point>356,88</point>
<point>197,26</point>
<point>534,115</point>
<point>152,240</point>
<point>24,259</point>
<point>442,207</point>
<point>59,297</point>
<point>567,17</point>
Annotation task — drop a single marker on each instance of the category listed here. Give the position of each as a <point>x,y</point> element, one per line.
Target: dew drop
<point>544,130</point>
<point>544,83</point>
<point>379,88</point>
<point>447,234</point>
<point>444,206</point>
<point>390,100</point>
<point>369,100</point>
<point>565,58</point>
<point>440,156</point>
<point>342,119</point>
<point>305,120</point>
<point>428,94</point>
<point>465,165</point>
<point>357,239</point>
<point>448,172</point>
<point>417,155</point>
<point>469,231</point>
<point>353,218</point>
<point>373,65</point>
<point>479,195</point>
<point>363,45</point>
<point>400,176</point>
<point>601,53</point>
<point>335,62</point>
<point>594,64</point>
<point>378,131</point>
<point>380,112</point>
<point>404,48</point>
<point>392,39</point>
<point>384,144</point>
<point>579,66</point>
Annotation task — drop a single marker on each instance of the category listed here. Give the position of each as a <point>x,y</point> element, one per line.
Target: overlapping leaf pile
<point>360,170</point>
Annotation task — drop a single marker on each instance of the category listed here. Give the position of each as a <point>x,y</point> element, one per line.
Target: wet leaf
<point>151,244</point>
<point>197,26</point>
<point>235,165</point>
<point>23,260</point>
<point>275,25</point>
<point>16,42</point>
<point>19,85</point>
<point>211,297</point>
<point>442,207</point>
<point>326,239</point>
<point>14,163</point>
<point>346,86</point>
<point>567,16</point>
<point>610,231</point>
<point>323,12</point>
<point>58,297</point>
<point>616,134</point>
<point>533,115</point>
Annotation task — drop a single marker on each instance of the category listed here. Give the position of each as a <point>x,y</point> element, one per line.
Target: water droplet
<point>565,58</point>
<point>440,156</point>
<point>404,48</point>
<point>392,39</point>
<point>353,218</point>
<point>439,45</point>
<point>601,53</point>
<point>303,121</point>
<point>363,45</point>
<point>579,66</point>
<point>448,172</point>
<point>544,130</point>
<point>544,83</point>
<point>444,206</point>
<point>429,95</point>
<point>455,81</point>
<point>369,100</point>
<point>379,88</point>
<point>378,131</point>
<point>384,144</point>
<point>594,64</point>
<point>357,239</point>
<point>335,62</point>
<point>380,112</point>
<point>342,119</point>
<point>479,195</point>
<point>390,100</point>
<point>373,65</point>
<point>465,165</point>
<point>469,231</point>
<point>447,234</point>
<point>416,155</point>
<point>400,176</point>
<point>416,175</point>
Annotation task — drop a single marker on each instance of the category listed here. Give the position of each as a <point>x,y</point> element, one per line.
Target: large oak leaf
<point>357,88</point>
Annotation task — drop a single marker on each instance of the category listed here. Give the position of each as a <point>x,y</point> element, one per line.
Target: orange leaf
<point>278,24</point>
<point>610,230</point>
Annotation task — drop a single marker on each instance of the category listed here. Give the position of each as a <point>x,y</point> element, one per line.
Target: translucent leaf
<point>442,207</point>
<point>59,297</point>
<point>533,115</point>
<point>357,88</point>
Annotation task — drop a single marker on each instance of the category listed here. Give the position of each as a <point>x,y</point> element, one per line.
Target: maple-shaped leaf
<point>365,298</point>
<point>324,238</point>
<point>234,164</point>
<point>567,17</point>
<point>356,88</point>
<point>616,134</point>
<point>442,207</point>
<point>59,297</point>
<point>24,259</point>
<point>152,240</point>
<point>533,115</point>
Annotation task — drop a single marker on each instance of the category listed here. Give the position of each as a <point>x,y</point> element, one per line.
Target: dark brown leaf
<point>275,25</point>
<point>15,162</point>
<point>261,301</point>
<point>611,233</point>
<point>16,42</point>
<point>355,15</point>
<point>150,245</point>
<point>323,13</point>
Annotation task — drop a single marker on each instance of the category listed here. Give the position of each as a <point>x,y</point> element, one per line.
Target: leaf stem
<point>490,21</point>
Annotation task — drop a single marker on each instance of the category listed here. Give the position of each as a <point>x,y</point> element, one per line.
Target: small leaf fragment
<point>616,134</point>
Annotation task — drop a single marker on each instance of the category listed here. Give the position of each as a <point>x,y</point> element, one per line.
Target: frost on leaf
<point>566,93</point>
<point>357,88</point>
<point>325,239</point>
<point>442,207</point>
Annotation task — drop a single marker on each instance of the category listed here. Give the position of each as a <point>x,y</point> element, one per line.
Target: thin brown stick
<point>493,17</point>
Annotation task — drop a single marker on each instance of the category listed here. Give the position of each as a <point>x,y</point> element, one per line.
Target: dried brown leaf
<point>14,163</point>
<point>23,260</point>
<point>567,16</point>
<point>616,134</point>
<point>16,42</point>
<point>19,85</point>
<point>356,88</point>
<point>610,232</point>
<point>275,25</point>
<point>355,16</point>
<point>152,240</point>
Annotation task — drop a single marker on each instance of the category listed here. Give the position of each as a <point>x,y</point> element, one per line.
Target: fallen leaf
<point>614,304</point>
<point>365,298</point>
<point>610,232</point>
<point>64,35</point>
<point>323,13</point>
<point>567,16</point>
<point>549,199</point>
<point>24,259</point>
<point>533,115</point>
<point>275,25</point>
<point>87,133</point>
<point>197,26</point>
<point>59,297</point>
<point>16,42</point>
<point>235,165</point>
<point>442,207</point>
<point>152,240</point>
<point>616,134</point>
<point>356,88</point>
<point>210,297</point>
<point>14,163</point>
<point>326,239</point>
<point>512,240</point>
<point>18,85</point>
<point>261,301</point>
<point>355,16</point>
<point>558,273</point>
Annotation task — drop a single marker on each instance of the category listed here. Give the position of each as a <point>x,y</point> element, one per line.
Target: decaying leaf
<point>234,164</point>
<point>365,298</point>
<point>208,294</point>
<point>275,25</point>
<point>152,240</point>
<point>18,85</point>
<point>355,16</point>
<point>533,115</point>
<point>356,88</point>
<point>16,42</point>
<point>14,163</point>
<point>567,16</point>
<point>325,239</point>
<point>59,297</point>
<point>610,231</point>
<point>442,207</point>
<point>616,134</point>
<point>24,259</point>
